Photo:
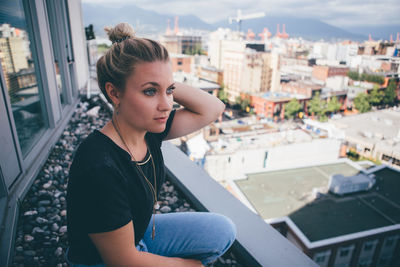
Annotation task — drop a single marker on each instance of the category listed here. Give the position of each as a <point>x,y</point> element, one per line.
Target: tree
<point>365,77</point>
<point>245,103</point>
<point>333,105</point>
<point>292,108</point>
<point>390,94</point>
<point>375,97</point>
<point>316,106</point>
<point>353,75</point>
<point>223,95</point>
<point>242,103</point>
<point>361,103</point>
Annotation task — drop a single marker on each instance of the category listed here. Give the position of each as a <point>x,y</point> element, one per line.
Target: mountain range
<point>151,23</point>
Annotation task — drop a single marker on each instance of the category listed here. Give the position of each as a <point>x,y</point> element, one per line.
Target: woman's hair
<point>126,51</point>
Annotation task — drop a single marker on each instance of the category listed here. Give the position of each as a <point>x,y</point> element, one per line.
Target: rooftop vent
<point>341,185</point>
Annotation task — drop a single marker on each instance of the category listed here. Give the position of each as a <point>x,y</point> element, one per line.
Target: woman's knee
<point>227,231</point>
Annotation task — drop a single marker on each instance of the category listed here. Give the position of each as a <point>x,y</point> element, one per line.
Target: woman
<point>117,171</point>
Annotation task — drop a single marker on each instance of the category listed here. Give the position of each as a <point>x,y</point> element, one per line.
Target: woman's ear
<point>113,93</point>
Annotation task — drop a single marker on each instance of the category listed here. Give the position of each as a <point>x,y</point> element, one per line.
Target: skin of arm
<point>199,109</point>
<point>117,249</point>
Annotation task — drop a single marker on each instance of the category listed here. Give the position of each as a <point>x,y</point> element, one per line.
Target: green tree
<point>333,105</point>
<point>316,106</point>
<point>375,97</point>
<point>361,103</point>
<point>390,94</point>
<point>292,108</point>
<point>353,75</point>
<point>245,103</point>
<point>223,95</point>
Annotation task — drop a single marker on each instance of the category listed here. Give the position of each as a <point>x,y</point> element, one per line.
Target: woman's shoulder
<point>95,149</point>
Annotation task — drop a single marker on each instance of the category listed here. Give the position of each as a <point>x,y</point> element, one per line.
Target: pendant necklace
<point>153,189</point>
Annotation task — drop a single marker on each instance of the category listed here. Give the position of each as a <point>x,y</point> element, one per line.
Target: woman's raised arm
<point>199,109</point>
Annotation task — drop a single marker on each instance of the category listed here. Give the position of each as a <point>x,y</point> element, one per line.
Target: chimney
<point>278,34</point>
<point>176,29</point>
<point>284,34</point>
<point>265,34</point>
<point>168,31</point>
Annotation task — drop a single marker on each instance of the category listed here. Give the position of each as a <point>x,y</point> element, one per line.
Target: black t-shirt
<point>106,191</point>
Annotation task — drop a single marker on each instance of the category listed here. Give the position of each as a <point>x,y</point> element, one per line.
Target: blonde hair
<point>126,51</point>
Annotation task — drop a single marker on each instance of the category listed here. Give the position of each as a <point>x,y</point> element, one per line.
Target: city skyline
<point>339,13</point>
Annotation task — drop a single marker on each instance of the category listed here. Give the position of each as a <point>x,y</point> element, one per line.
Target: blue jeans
<point>194,235</point>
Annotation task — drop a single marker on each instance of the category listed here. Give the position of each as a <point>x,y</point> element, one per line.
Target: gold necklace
<point>155,204</point>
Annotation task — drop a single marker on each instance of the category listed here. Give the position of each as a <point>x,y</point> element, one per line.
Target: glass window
<point>57,54</point>
<point>20,74</point>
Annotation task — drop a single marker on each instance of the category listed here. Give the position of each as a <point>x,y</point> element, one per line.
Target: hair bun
<point>120,32</point>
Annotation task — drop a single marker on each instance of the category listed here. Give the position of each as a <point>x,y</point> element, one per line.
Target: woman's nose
<point>165,102</point>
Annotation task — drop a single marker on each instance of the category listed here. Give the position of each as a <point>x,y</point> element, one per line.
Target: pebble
<point>30,253</point>
<point>55,227</point>
<point>63,229</point>
<point>165,209</point>
<point>58,252</point>
<point>41,220</point>
<point>30,212</point>
<point>28,238</point>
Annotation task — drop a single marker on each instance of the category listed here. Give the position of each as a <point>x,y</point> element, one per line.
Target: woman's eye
<point>171,90</point>
<point>150,91</point>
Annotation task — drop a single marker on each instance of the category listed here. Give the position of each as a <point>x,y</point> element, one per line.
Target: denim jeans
<point>195,235</point>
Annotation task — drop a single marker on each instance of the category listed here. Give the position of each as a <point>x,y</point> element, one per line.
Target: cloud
<point>335,12</point>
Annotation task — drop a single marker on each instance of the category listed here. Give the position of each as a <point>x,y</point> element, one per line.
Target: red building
<point>301,88</point>
<point>272,105</point>
<point>323,72</point>
<point>181,63</point>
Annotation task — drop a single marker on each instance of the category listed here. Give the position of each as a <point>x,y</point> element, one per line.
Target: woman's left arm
<point>199,109</point>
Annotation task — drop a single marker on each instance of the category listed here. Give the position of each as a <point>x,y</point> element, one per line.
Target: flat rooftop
<point>358,212</point>
<point>380,128</point>
<point>276,194</point>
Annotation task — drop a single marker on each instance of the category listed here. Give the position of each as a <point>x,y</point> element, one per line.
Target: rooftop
<point>356,213</point>
<point>380,128</point>
<point>280,96</point>
<point>275,194</point>
<point>289,193</point>
<point>195,81</point>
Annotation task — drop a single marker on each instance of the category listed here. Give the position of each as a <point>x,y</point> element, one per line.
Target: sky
<point>341,13</point>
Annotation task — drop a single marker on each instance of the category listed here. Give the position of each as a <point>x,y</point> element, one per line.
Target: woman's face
<point>148,96</point>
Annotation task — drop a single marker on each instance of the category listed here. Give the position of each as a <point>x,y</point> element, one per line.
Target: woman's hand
<point>200,109</point>
<point>192,263</point>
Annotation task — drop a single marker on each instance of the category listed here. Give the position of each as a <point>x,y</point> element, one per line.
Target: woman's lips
<point>161,119</point>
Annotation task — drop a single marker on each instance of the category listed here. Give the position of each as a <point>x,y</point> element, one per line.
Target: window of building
<point>364,263</point>
<point>369,245</point>
<point>344,253</point>
<point>21,78</point>
<point>390,241</point>
<point>322,258</point>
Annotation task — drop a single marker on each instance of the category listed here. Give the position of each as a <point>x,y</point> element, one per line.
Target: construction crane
<point>240,17</point>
